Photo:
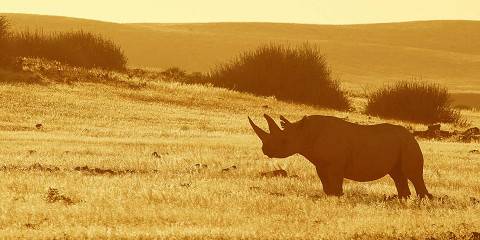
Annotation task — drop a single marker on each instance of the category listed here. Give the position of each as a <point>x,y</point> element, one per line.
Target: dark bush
<point>78,48</point>
<point>298,74</point>
<point>3,36</point>
<point>3,27</point>
<point>418,102</point>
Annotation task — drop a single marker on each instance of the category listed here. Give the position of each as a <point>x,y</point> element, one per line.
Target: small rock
<point>229,168</point>
<point>156,155</point>
<point>200,165</point>
<point>474,151</point>
<point>31,226</point>
<point>472,131</point>
<point>434,127</point>
<point>39,126</point>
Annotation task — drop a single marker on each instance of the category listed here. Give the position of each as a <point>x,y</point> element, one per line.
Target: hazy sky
<point>298,11</point>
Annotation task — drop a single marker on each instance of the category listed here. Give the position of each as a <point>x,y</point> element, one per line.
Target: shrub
<point>3,27</point>
<point>3,35</point>
<point>77,48</point>
<point>298,74</point>
<point>413,101</point>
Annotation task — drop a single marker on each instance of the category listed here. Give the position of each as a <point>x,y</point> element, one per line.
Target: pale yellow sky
<point>299,11</point>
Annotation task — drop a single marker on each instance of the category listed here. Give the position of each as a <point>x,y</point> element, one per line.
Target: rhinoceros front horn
<point>260,133</point>
<point>272,126</point>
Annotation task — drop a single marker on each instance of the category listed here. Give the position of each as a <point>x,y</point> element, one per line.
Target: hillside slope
<point>372,54</point>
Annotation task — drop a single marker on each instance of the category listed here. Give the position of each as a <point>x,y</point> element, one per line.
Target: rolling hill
<point>447,52</point>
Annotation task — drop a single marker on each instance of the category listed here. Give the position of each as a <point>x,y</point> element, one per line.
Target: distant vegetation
<point>77,48</point>
<point>175,73</point>
<point>3,34</point>
<point>413,101</point>
<point>298,74</point>
<point>3,26</point>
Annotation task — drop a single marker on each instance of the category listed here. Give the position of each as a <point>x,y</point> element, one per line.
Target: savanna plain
<point>155,158</point>
<point>90,170</point>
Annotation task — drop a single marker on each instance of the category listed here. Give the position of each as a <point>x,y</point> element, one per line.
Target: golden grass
<point>107,127</point>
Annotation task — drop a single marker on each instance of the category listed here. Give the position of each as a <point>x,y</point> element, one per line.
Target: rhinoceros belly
<point>372,158</point>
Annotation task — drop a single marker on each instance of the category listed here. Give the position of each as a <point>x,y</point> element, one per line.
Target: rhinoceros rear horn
<point>284,122</point>
<point>272,126</point>
<point>260,133</point>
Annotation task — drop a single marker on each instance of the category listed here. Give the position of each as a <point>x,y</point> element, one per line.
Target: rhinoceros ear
<point>272,126</point>
<point>260,133</point>
<point>284,122</point>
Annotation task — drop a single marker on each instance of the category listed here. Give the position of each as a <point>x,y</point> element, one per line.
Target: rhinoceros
<point>340,149</point>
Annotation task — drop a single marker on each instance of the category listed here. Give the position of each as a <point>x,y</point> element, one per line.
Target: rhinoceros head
<point>278,143</point>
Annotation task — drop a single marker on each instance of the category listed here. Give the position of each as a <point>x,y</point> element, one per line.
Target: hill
<point>447,52</point>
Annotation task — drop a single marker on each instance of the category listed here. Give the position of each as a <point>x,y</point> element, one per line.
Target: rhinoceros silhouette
<point>339,149</point>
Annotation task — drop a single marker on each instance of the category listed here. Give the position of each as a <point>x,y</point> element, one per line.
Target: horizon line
<point>217,22</point>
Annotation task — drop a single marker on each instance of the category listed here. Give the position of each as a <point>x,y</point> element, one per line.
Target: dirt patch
<point>53,196</point>
<point>44,168</point>
<point>277,173</point>
<point>99,171</point>
<point>231,168</point>
<point>35,225</point>
<point>37,167</point>
<point>33,167</point>
<point>434,132</point>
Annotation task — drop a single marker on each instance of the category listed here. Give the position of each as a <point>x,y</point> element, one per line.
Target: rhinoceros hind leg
<point>420,187</point>
<point>401,182</point>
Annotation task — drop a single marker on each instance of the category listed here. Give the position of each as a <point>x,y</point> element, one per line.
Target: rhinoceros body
<point>339,149</point>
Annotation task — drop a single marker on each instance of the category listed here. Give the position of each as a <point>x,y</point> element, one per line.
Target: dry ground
<point>48,192</point>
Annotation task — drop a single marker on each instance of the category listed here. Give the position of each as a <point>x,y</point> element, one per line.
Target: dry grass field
<point>89,171</point>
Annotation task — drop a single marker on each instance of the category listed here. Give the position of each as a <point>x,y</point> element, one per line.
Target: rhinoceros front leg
<point>323,180</point>
<point>332,180</point>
